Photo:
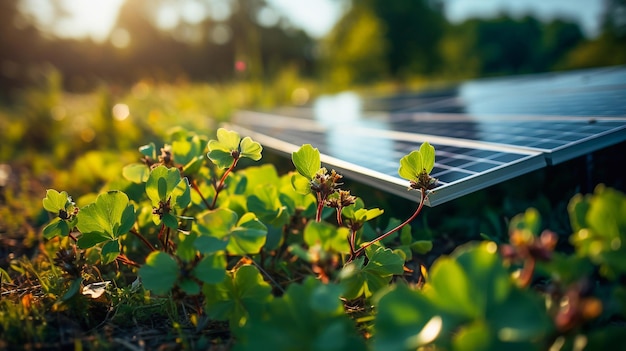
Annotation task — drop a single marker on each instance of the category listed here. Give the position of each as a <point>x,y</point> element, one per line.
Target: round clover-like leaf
<point>56,201</point>
<point>251,149</point>
<point>166,183</point>
<point>428,157</point>
<point>329,237</point>
<point>411,165</point>
<point>160,272</point>
<point>106,219</point>
<point>307,161</point>
<point>245,235</point>
<point>211,269</point>
<point>136,172</point>
<point>241,294</point>
<point>248,237</point>
<point>359,279</point>
<point>229,146</point>
<point>417,162</point>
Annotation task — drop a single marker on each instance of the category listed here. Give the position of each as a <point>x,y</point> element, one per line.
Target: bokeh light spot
<point>121,112</point>
<point>300,96</point>
<point>120,38</point>
<point>58,113</point>
<point>87,135</point>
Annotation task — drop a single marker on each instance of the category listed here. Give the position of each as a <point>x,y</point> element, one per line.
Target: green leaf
<point>402,315</point>
<point>248,237</point>
<point>422,246</point>
<point>110,251</point>
<point>216,223</point>
<point>148,150</point>
<point>189,286</point>
<point>245,235</point>
<point>329,237</point>
<point>56,201</point>
<point>472,301</point>
<point>181,194</point>
<point>307,161</point>
<point>265,203</point>
<point>363,215</point>
<point>411,165</point>
<point>211,269</point>
<point>251,149</point>
<point>308,316</point>
<point>221,158</point>
<point>136,172</point>
<point>301,184</point>
<point>428,157</point>
<point>365,280</point>
<point>417,162</point>
<point>242,294</point>
<point>57,227</point>
<point>73,289</point>
<point>109,217</point>
<point>210,244</point>
<point>221,150</point>
<point>227,140</point>
<point>601,234</point>
<point>161,184</point>
<point>160,272</point>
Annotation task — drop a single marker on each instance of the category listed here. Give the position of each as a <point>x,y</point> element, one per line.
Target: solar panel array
<point>483,131</point>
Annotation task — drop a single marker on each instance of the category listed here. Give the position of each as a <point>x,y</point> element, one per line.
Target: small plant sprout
<point>415,167</point>
<point>226,151</point>
<point>320,182</point>
<point>65,210</point>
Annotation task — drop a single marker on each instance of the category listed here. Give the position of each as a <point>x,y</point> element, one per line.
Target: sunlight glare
<point>93,18</point>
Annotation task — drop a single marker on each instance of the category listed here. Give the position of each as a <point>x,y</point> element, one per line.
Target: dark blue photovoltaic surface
<point>484,131</point>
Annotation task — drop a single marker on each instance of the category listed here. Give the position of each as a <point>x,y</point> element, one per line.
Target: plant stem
<point>320,207</point>
<point>143,239</point>
<point>417,211</point>
<point>339,220</point>
<point>195,187</point>
<point>220,185</point>
<point>127,261</point>
<point>351,241</point>
<point>160,236</point>
<point>167,239</point>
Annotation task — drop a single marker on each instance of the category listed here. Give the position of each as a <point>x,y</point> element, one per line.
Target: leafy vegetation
<point>225,252</point>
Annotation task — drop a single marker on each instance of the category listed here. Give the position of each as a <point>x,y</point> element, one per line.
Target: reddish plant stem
<point>220,185</point>
<point>195,187</point>
<point>351,241</point>
<point>143,239</point>
<point>409,220</point>
<point>121,258</point>
<point>339,220</point>
<point>320,207</point>
<point>160,236</point>
<point>167,240</point>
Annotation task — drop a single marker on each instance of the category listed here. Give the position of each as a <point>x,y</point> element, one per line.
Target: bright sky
<point>95,18</point>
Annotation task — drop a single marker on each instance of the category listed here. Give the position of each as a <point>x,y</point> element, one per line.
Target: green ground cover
<point>155,229</point>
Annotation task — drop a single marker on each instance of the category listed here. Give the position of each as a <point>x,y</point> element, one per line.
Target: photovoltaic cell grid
<point>484,131</point>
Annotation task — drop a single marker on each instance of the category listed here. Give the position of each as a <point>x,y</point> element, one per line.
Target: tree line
<point>375,40</point>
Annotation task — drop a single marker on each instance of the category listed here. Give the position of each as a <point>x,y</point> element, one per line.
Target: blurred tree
<point>412,30</point>
<point>377,39</point>
<point>608,48</point>
<point>19,43</point>
<point>505,45</point>
<point>356,50</point>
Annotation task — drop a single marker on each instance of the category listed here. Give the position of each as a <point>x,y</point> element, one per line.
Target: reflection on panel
<point>484,131</point>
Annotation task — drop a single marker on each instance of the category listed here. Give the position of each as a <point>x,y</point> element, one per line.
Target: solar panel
<point>484,131</point>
